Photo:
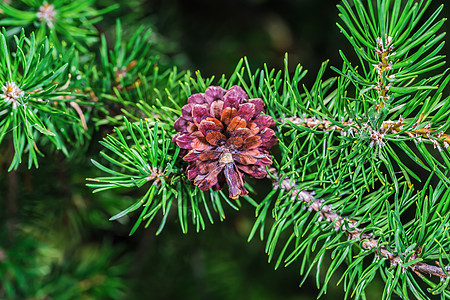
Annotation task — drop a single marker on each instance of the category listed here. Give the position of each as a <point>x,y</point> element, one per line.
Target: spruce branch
<point>340,223</point>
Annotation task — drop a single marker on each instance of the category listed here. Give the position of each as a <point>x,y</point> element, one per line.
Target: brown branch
<point>384,51</point>
<point>387,127</point>
<point>368,241</point>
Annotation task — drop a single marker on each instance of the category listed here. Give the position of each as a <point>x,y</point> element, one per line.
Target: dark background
<point>215,36</point>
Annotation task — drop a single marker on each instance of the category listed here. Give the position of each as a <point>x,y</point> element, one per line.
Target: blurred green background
<point>55,238</point>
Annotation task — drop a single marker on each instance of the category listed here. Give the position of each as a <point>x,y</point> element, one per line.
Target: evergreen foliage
<point>360,174</point>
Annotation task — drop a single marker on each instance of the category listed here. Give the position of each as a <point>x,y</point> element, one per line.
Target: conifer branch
<point>368,241</point>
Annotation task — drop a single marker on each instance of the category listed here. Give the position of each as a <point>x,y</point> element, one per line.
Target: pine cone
<point>226,137</point>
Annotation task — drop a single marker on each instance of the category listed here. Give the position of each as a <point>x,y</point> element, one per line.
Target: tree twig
<point>368,241</point>
<point>387,127</point>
